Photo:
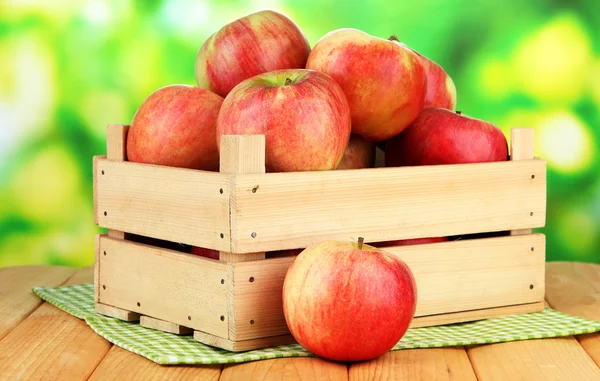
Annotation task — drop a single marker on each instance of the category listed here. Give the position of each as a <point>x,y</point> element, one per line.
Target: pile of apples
<point>325,108</point>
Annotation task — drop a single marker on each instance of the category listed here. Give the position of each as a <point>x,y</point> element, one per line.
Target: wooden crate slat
<point>295,210</point>
<point>475,274</point>
<point>454,278</point>
<point>174,204</point>
<point>168,285</point>
<point>257,298</point>
<point>243,345</point>
<point>165,326</point>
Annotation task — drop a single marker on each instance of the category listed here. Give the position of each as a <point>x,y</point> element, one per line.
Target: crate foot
<point>465,316</point>
<point>116,312</point>
<point>243,345</point>
<point>166,326</point>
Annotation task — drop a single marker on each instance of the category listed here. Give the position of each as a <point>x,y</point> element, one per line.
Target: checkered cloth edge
<point>169,349</point>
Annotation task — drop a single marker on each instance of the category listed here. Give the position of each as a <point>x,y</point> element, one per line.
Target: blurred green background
<point>70,67</point>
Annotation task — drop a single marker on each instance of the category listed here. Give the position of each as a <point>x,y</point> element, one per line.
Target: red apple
<point>176,126</point>
<point>383,80</point>
<point>303,113</point>
<point>440,136</point>
<point>411,241</point>
<point>257,43</point>
<point>441,91</point>
<point>358,154</point>
<point>348,302</point>
<point>207,253</point>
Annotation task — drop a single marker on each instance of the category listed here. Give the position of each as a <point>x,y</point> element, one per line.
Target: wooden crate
<point>243,212</point>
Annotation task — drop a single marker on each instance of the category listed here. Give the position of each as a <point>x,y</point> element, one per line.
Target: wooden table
<point>39,341</point>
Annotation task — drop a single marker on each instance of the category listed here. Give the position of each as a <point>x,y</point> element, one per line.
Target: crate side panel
<point>476,274</point>
<point>295,210</point>
<point>174,204</point>
<point>452,277</point>
<point>168,285</point>
<point>257,298</point>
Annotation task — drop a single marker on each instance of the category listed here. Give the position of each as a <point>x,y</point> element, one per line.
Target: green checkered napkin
<point>165,348</point>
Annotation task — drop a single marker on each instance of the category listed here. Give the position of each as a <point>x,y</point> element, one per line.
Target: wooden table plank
<point>574,288</point>
<point>416,364</point>
<point>17,300</point>
<point>570,288</point>
<point>51,345</point>
<point>120,364</point>
<point>299,368</point>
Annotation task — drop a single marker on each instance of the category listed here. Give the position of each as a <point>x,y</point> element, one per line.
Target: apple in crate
<point>346,301</point>
<point>176,126</point>
<point>303,113</point>
<point>440,136</point>
<point>358,154</point>
<point>257,43</point>
<point>441,91</point>
<point>383,80</point>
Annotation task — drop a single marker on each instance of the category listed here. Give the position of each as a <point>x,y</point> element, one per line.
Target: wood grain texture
<point>574,288</point>
<point>297,209</point>
<point>116,150</point>
<point>530,360</point>
<point>120,364</point>
<point>173,204</point>
<point>286,369</point>
<point>256,295</point>
<point>165,326</point>
<point>243,345</point>
<point>522,144</point>
<point>437,364</point>
<point>116,312</point>
<point>486,313</point>
<point>241,154</point>
<point>51,345</point>
<point>474,274</point>
<point>181,288</point>
<point>17,300</point>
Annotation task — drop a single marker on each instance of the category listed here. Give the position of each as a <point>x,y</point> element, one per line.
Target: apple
<point>440,136</point>
<point>411,241</point>
<point>257,43</point>
<point>176,126</point>
<point>441,91</point>
<point>346,301</point>
<point>207,253</point>
<point>383,80</point>
<point>358,154</point>
<point>303,113</point>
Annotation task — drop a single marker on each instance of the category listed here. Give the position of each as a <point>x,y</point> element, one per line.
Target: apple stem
<point>288,81</point>
<point>361,240</point>
<point>459,112</point>
<point>393,37</point>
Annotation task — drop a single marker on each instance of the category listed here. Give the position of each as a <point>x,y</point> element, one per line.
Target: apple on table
<point>347,301</point>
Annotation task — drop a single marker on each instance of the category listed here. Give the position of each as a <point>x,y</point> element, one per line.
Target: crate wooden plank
<point>116,150</point>
<point>521,148</point>
<point>165,326</point>
<point>257,304</point>
<point>180,288</point>
<point>457,281</point>
<point>243,345</point>
<point>475,274</point>
<point>120,364</point>
<point>451,364</point>
<point>295,210</point>
<point>174,204</point>
<point>116,312</point>
<point>241,154</point>
<point>464,316</point>
<point>288,369</point>
<point>17,300</point>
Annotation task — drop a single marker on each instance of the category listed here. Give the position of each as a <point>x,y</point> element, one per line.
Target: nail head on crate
<point>189,317</point>
<point>253,234</point>
<point>221,190</point>
<point>104,252</point>
<point>102,171</point>
<point>533,176</point>
<point>222,318</point>
<point>222,281</point>
<point>531,213</point>
<point>251,279</point>
<point>531,287</point>
<point>139,304</point>
<point>104,287</point>
<point>532,248</point>
<point>222,235</point>
<point>105,213</point>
